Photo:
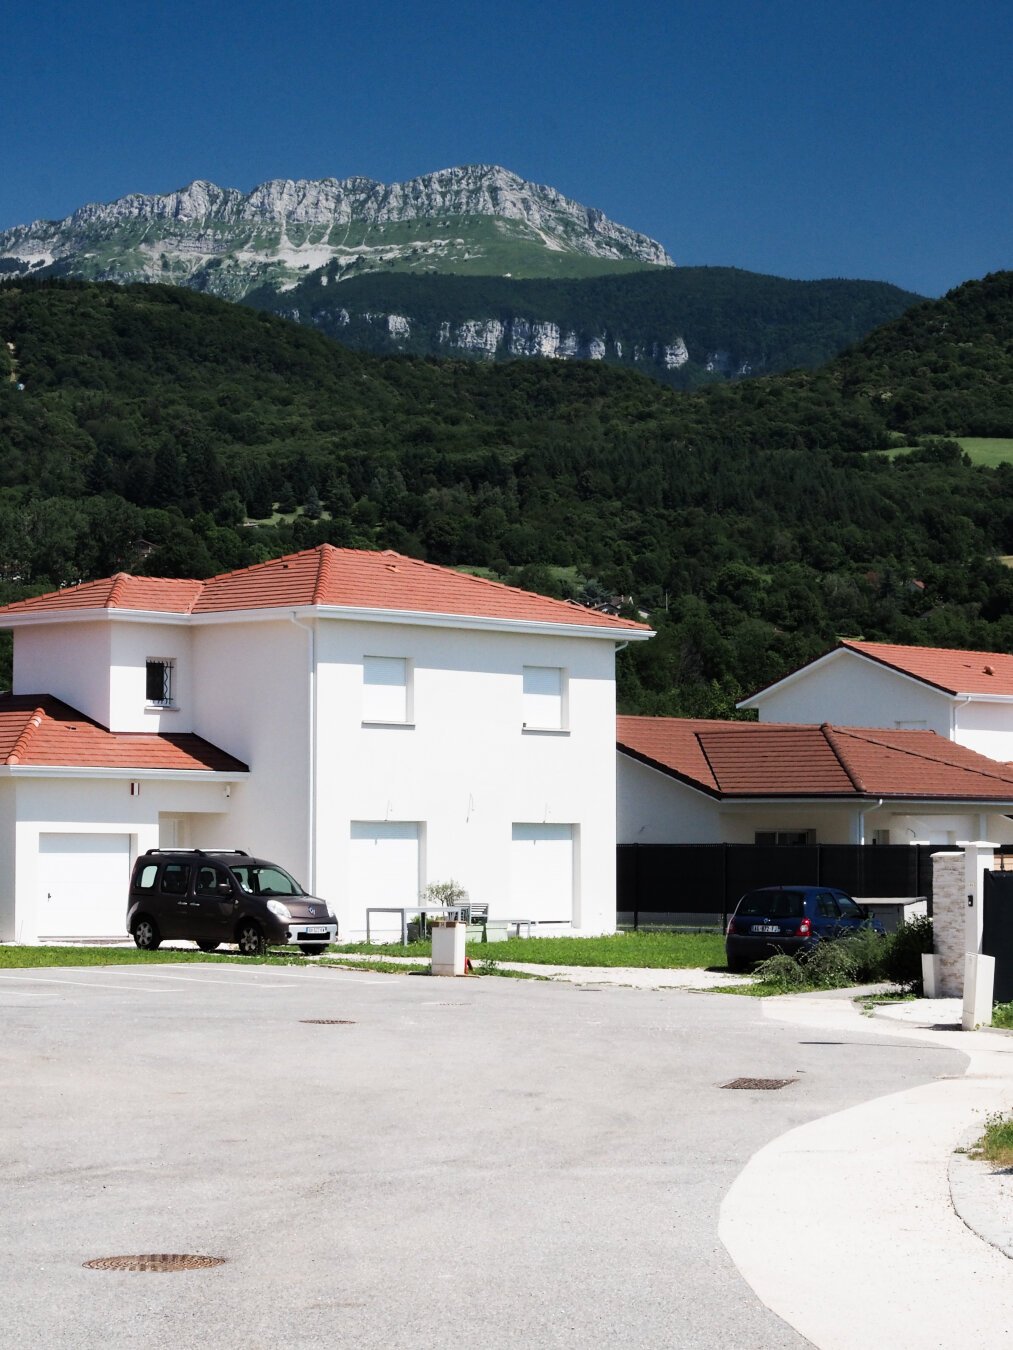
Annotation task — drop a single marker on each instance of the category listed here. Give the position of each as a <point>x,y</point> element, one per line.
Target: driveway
<point>472,1163</point>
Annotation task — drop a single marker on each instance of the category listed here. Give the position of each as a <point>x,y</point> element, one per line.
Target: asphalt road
<point>471,1163</point>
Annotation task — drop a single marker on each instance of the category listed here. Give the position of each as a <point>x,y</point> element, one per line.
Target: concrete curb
<point>881,1170</point>
<point>982,1195</point>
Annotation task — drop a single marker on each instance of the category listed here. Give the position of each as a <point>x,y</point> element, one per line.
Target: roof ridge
<point>915,647</point>
<point>829,734</point>
<point>325,554</point>
<point>698,737</point>
<point>24,740</point>
<point>116,589</point>
<point>947,746</point>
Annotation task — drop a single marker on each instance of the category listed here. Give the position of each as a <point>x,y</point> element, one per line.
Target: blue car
<point>790,919</point>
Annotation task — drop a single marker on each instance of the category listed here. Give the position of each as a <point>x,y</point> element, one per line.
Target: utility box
<point>448,946</point>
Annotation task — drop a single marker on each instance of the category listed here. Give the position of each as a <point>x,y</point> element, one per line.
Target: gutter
<point>418,618</point>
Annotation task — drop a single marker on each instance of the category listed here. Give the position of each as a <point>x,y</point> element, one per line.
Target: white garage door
<point>541,872</point>
<point>83,881</point>
<point>384,871</point>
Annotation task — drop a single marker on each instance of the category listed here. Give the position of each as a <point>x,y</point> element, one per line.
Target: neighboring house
<point>685,781</point>
<point>382,723</point>
<point>963,695</point>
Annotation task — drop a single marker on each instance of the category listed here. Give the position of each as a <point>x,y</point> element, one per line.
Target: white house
<point>370,721</point>
<point>965,696</point>
<point>683,781</point>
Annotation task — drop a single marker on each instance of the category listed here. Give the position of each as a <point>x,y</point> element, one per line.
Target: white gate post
<point>979,970</point>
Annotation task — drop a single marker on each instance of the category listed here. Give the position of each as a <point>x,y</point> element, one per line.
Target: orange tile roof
<point>163,595</point>
<point>952,670</point>
<point>771,759</point>
<point>38,730</point>
<point>352,578</point>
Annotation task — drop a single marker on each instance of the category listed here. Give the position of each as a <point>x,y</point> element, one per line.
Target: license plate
<point>313,928</point>
<point>765,928</point>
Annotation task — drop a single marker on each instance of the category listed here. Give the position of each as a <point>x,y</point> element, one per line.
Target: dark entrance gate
<point>679,881</point>
<point>997,936</point>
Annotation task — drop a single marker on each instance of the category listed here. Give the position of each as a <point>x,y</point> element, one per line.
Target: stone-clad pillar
<point>949,900</point>
<point>958,890</point>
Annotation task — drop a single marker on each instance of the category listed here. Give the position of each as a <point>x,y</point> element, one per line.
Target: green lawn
<point>663,951</point>
<point>986,450</point>
<point>14,957</point>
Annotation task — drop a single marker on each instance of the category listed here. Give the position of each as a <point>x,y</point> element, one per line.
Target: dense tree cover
<point>155,422</point>
<point>765,323</point>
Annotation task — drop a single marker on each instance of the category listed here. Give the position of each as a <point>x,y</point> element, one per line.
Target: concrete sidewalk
<point>845,1226</point>
<point>630,977</point>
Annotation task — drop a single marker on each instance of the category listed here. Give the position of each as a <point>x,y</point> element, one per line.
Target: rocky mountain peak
<point>228,241</point>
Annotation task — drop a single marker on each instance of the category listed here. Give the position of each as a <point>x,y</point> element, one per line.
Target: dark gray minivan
<point>213,896</point>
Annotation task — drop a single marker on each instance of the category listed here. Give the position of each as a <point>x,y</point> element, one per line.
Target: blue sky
<point>862,138</point>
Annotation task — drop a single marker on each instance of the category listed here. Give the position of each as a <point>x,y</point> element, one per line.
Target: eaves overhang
<point>424,619</point>
<point>126,774</point>
<point>48,617</point>
<point>262,613</point>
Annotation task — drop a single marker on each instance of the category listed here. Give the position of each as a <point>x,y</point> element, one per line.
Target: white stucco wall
<point>986,728</point>
<point>8,910</point>
<point>250,696</point>
<point>465,770</point>
<point>68,660</point>
<point>653,808</point>
<point>30,806</point>
<point>849,690</point>
<point>134,644</point>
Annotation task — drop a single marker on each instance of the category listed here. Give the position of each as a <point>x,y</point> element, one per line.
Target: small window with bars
<point>159,679</point>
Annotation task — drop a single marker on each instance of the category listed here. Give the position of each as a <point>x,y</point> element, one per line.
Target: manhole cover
<point>761,1084</point>
<point>155,1261</point>
<point>327,1021</point>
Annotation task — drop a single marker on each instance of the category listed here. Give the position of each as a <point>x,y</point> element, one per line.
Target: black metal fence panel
<point>997,931</point>
<point>709,879</point>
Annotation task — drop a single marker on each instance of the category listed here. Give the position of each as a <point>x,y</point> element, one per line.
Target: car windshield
<point>771,905</point>
<point>266,879</point>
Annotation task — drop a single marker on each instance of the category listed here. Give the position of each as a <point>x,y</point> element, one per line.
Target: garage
<point>541,872</point>
<point>384,870</point>
<point>83,882</point>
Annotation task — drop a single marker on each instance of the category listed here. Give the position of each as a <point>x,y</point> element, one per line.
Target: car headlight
<point>282,911</point>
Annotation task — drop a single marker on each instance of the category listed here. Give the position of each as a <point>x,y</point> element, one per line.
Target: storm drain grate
<point>155,1261</point>
<point>760,1084</point>
<point>327,1021</point>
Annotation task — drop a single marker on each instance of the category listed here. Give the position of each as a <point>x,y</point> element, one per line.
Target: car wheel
<point>209,946</point>
<point>146,934</point>
<point>735,964</point>
<point>312,948</point>
<point>250,940</point>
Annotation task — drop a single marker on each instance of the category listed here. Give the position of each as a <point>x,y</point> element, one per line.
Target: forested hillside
<point>749,520</point>
<point>730,322</point>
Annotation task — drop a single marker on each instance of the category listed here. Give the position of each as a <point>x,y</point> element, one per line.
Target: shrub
<point>857,959</point>
<point>783,972</point>
<point>996,1144</point>
<point>903,963</point>
<point>447,894</point>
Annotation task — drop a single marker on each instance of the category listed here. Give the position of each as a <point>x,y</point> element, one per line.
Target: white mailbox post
<point>448,946</point>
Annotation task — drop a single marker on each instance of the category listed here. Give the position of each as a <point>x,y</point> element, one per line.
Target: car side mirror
<point>223,888</point>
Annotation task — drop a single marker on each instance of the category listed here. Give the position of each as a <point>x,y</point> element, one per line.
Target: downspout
<point>311,824</point>
<point>861,819</point>
<point>954,709</point>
